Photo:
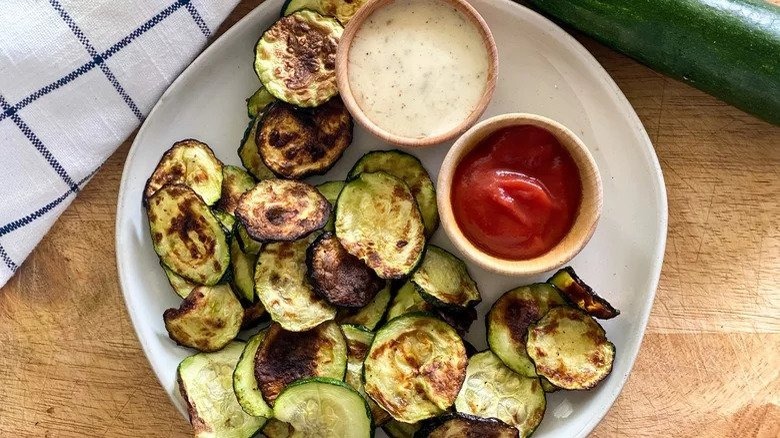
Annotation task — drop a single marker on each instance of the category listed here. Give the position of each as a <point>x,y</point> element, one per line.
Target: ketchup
<point>516,194</point>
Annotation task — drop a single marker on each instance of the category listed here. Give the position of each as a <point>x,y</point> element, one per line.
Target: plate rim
<point>553,31</point>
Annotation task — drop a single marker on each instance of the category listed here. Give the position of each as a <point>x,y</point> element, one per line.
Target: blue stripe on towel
<point>8,262</point>
<point>198,19</point>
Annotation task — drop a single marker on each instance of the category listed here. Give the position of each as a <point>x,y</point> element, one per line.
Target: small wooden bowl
<point>342,78</point>
<point>584,223</point>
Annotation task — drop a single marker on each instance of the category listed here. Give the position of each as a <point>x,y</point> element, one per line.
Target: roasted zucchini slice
<point>187,236</point>
<point>407,300</point>
<point>370,315</point>
<point>206,384</point>
<point>207,320</point>
<point>459,318</point>
<point>277,209</point>
<point>284,357</point>
<point>277,429</point>
<point>508,321</point>
<point>244,383</point>
<point>249,153</point>
<point>581,295</point>
<point>227,221</point>
<point>299,142</point>
<point>191,163</point>
<point>258,101</point>
<point>295,58</point>
<point>570,349</point>
<point>343,10</point>
<point>377,221</point>
<point>180,285</point>
<point>246,243</point>
<point>282,286</point>
<point>465,426</point>
<point>254,314</point>
<point>358,342</point>
<point>235,182</point>
<point>330,190</point>
<point>243,266</point>
<point>547,386</point>
<point>443,280</point>
<point>415,367</point>
<point>492,390</point>
<point>339,277</point>
<point>322,407</point>
<point>410,170</point>
<point>397,429</point>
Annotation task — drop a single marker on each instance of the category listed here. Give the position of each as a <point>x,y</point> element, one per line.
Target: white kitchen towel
<point>76,78</point>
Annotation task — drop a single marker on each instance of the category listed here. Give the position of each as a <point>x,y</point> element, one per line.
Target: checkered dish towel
<point>76,78</point>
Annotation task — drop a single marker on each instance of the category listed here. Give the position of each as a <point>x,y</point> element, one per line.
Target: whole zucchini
<point>728,48</point>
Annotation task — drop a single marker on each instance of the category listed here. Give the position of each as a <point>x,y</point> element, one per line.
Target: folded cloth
<point>76,78</point>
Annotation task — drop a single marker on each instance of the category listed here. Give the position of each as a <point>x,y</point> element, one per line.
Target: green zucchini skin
<point>728,48</point>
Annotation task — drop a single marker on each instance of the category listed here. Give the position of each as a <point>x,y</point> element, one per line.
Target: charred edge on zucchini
<point>283,210</point>
<point>570,349</point>
<point>444,281</point>
<point>284,357</point>
<point>191,163</point>
<point>187,236</point>
<point>254,315</point>
<point>235,182</point>
<point>459,319</point>
<point>465,426</point>
<point>581,295</point>
<point>508,320</point>
<point>249,153</point>
<point>370,315</point>
<point>339,277</point>
<point>299,142</point>
<point>377,220</point>
<point>207,320</point>
<point>295,58</point>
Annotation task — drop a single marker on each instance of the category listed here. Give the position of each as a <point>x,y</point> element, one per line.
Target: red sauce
<point>516,194</point>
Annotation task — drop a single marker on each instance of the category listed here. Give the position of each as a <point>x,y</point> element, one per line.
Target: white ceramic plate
<point>542,70</point>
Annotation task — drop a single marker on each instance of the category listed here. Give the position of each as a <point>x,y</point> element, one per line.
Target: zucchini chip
<point>492,390</point>
<point>299,142</point>
<point>459,319</point>
<point>581,295</point>
<point>249,153</point>
<point>547,386</point>
<point>358,342</point>
<point>277,429</point>
<point>277,209</point>
<point>281,284</point>
<point>325,408</point>
<point>295,58</point>
<point>235,182</point>
<point>243,266</point>
<point>465,426</point>
<point>331,190</point>
<point>227,221</point>
<point>187,236</point>
<point>284,357</point>
<point>244,383</point>
<point>443,280</point>
<point>342,10</point>
<point>205,382</point>
<point>407,300</point>
<point>258,101</point>
<point>180,285</point>
<point>570,349</point>
<point>415,367</point>
<point>508,321</point>
<point>191,163</point>
<point>246,243</point>
<point>339,277</point>
<point>370,315</point>
<point>397,429</point>
<point>207,320</point>
<point>410,170</point>
<point>254,314</point>
<point>377,221</point>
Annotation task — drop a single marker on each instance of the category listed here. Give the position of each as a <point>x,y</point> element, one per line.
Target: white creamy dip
<point>417,68</point>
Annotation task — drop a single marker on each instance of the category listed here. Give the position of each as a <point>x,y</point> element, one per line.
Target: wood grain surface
<point>709,364</point>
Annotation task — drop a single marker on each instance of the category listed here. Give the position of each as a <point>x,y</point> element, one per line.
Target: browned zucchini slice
<point>398,429</point>
<point>443,280</point>
<point>284,357</point>
<point>249,153</point>
<point>191,163</point>
<point>465,426</point>
<point>570,349</point>
<point>358,342</point>
<point>415,367</point>
<point>277,209</point>
<point>295,58</point>
<point>299,142</point>
<point>581,295</point>
<point>370,315</point>
<point>243,270</point>
<point>235,182</point>
<point>254,314</point>
<point>377,220</point>
<point>207,320</point>
<point>509,318</point>
<point>187,236</point>
<point>339,277</point>
<point>459,319</point>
